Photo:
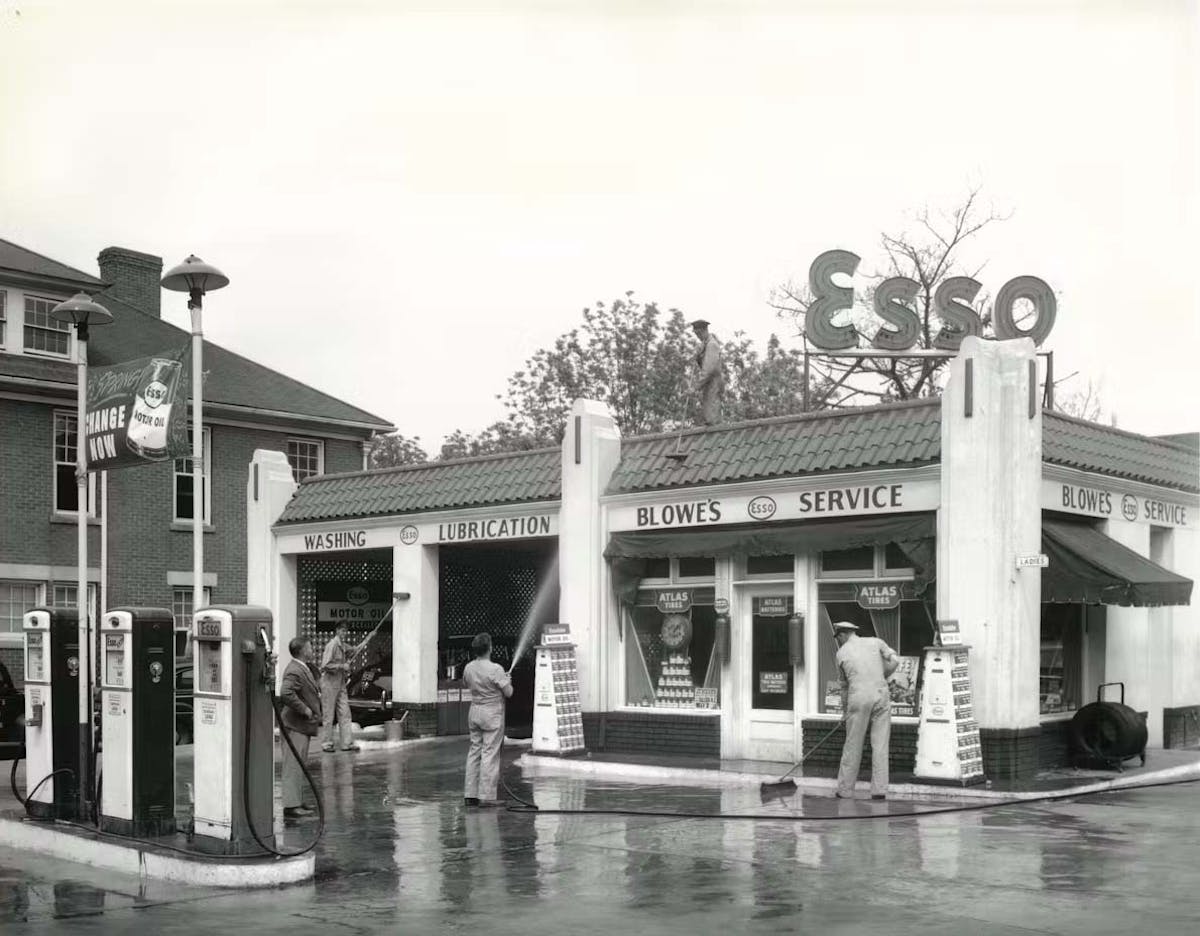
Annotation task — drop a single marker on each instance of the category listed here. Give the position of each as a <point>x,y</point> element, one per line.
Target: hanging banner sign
<point>773,606</point>
<point>676,601</point>
<point>878,597</point>
<point>137,412</point>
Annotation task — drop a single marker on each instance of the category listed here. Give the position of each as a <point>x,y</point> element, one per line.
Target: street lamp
<point>195,277</point>
<point>81,312</point>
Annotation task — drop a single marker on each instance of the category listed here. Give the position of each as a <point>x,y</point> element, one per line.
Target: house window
<point>185,483</point>
<point>181,607</point>
<point>65,596</point>
<point>307,457</point>
<point>66,448</point>
<point>44,333</point>
<point>15,599</point>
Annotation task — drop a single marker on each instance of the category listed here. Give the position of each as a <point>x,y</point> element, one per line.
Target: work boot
<point>471,801</point>
<point>327,748</point>
<point>879,796</point>
<point>352,747</point>
<point>296,812</point>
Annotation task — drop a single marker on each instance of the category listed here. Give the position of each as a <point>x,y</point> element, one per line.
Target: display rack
<point>948,746</point>
<point>557,717</point>
<point>675,686</point>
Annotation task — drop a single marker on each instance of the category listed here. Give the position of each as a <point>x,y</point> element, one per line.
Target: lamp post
<point>82,312</point>
<point>195,277</point>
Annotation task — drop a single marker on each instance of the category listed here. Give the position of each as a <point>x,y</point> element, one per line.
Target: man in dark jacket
<point>301,716</point>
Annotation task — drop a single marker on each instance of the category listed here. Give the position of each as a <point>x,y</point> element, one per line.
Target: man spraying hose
<point>865,664</point>
<point>334,699</point>
<point>490,686</point>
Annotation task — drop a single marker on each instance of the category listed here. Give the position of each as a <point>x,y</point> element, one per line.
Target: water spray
<point>531,619</point>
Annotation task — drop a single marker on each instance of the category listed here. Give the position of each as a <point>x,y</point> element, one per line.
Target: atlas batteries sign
<point>902,328</point>
<point>804,501</point>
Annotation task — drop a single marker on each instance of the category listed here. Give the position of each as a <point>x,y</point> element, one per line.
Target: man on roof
<point>708,360</point>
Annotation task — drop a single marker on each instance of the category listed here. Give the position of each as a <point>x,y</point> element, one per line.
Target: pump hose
<point>303,767</point>
<point>24,800</point>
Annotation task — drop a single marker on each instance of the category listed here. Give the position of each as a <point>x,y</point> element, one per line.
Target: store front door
<point>769,679</point>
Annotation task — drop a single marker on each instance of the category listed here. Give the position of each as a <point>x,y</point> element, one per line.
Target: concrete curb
<point>146,862</point>
<point>535,765</point>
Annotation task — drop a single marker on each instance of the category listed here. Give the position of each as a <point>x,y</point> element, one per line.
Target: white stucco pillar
<point>270,577</point>
<point>1185,621</point>
<point>991,473</point>
<point>591,449</point>
<point>415,624</point>
<point>1127,639</point>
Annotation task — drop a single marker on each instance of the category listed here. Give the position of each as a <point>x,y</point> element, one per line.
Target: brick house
<point>148,521</point>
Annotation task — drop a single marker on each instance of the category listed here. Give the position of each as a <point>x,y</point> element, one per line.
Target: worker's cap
<point>844,625</point>
<point>698,323</point>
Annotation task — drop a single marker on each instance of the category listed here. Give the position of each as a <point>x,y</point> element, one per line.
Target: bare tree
<point>1085,403</point>
<point>927,254</point>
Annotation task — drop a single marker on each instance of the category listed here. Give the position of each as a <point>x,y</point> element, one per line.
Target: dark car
<point>12,718</point>
<point>369,691</point>
<point>184,671</point>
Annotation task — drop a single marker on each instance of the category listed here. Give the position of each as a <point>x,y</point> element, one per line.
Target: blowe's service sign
<point>136,412</point>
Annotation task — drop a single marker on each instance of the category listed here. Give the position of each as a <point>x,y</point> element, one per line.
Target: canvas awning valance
<point>627,552</point>
<point>1087,566</point>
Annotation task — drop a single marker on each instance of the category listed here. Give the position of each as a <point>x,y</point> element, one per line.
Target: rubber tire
<point>1108,731</point>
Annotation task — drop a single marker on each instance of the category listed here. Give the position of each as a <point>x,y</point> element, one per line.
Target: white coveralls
<point>334,701</point>
<point>865,664</point>
<point>490,686</point>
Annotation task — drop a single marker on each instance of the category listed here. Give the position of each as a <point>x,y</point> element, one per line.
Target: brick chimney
<point>134,277</point>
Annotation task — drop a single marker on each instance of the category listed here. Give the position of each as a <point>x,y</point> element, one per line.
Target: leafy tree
<point>393,450</point>
<point>928,253</point>
<point>641,362</point>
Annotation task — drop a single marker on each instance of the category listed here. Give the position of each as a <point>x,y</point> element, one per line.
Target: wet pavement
<point>401,853</point>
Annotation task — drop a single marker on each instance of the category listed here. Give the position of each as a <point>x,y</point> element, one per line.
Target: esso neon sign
<point>951,304</point>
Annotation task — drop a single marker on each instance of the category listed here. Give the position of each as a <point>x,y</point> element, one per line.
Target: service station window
<point>3,318</point>
<point>770,566</point>
<point>772,686</point>
<point>1061,673</point>
<point>881,605</point>
<point>670,635</point>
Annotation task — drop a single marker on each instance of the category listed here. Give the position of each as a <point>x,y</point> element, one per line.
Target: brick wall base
<point>1054,745</point>
<point>422,721</point>
<point>902,748</point>
<point>1010,753</point>
<point>672,735</point>
<point>1181,727</point>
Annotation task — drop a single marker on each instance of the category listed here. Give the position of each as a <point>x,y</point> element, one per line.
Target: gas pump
<point>137,718</point>
<point>234,746</point>
<point>52,712</point>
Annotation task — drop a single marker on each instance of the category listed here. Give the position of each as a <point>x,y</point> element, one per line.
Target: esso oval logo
<point>154,394</point>
<point>761,508</point>
<point>1129,507</point>
<point>409,534</point>
<point>358,595</point>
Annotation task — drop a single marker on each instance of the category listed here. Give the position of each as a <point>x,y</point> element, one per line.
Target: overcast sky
<point>411,201</point>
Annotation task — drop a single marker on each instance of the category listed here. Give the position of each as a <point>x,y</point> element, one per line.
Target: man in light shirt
<point>335,664</point>
<point>865,663</point>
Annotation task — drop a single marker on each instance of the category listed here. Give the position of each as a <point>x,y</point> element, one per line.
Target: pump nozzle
<point>266,639</point>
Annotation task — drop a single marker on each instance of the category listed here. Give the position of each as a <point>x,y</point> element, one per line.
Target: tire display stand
<point>948,746</point>
<point>557,720</point>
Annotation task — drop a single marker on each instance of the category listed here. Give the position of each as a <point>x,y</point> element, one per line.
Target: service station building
<point>1063,548</point>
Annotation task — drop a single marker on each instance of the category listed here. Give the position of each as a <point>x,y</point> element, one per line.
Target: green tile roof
<point>1088,446</point>
<point>889,436</point>
<point>518,477</point>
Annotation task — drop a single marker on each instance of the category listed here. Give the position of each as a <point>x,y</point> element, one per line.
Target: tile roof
<point>231,379</point>
<point>517,477</point>
<point>1088,446</point>
<point>889,436</point>
<point>897,435</point>
<point>17,259</point>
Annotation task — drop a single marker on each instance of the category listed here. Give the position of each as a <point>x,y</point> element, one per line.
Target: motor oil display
<point>557,721</point>
<point>948,748</point>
